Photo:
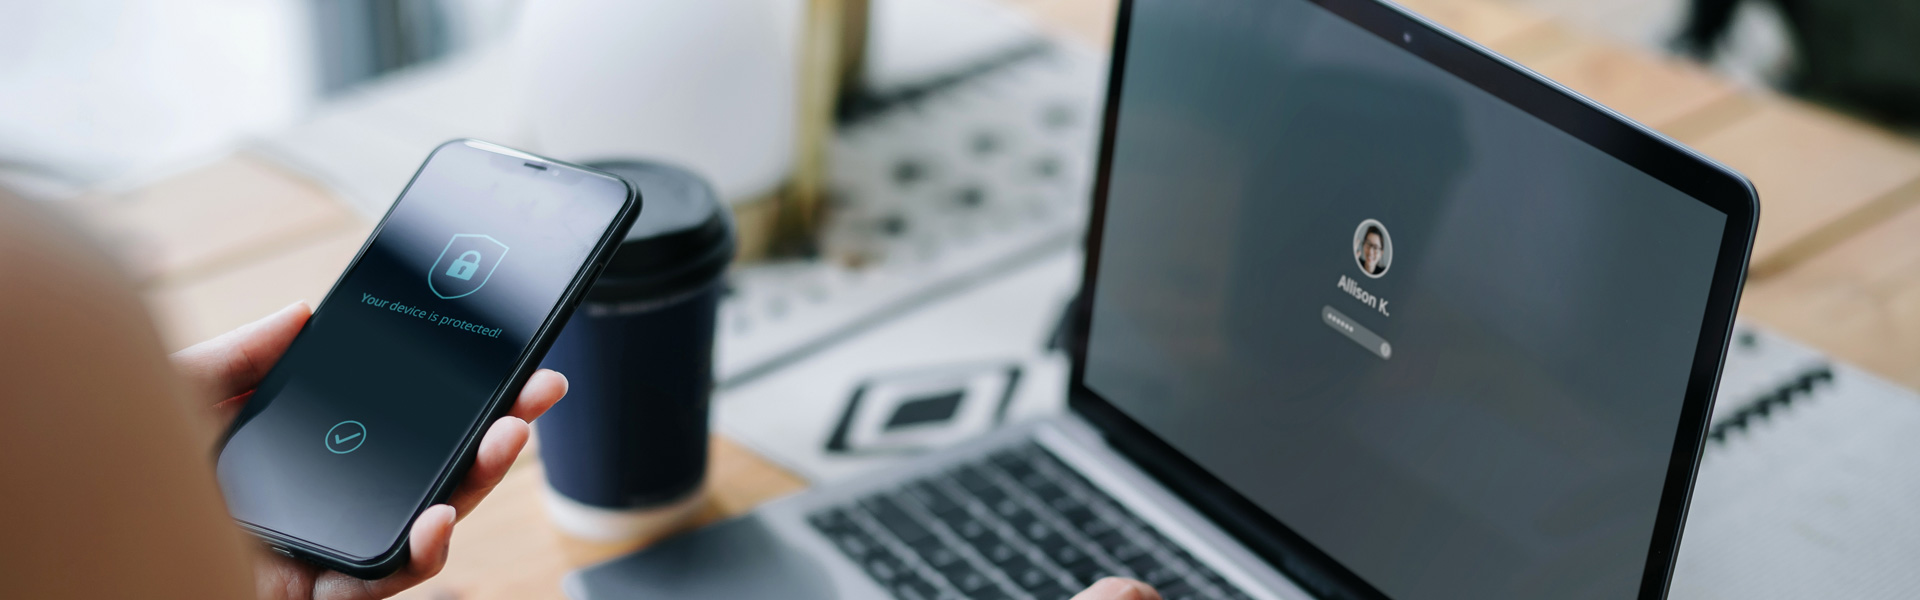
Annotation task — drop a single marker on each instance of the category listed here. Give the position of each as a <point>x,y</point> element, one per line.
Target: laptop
<point>1368,312</point>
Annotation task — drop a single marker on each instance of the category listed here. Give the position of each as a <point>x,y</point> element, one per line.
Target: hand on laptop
<point>227,368</point>
<point>1115,588</point>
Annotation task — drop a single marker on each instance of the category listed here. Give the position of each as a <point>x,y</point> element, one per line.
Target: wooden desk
<point>1859,301</point>
<point>1836,265</point>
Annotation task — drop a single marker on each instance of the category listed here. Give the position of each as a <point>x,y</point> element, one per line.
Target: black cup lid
<point>682,240</point>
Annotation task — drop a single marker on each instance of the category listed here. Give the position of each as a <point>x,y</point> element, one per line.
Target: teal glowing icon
<point>346,436</point>
<point>465,265</point>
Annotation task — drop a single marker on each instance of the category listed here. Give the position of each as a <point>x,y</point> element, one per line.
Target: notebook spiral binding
<point>1780,398</point>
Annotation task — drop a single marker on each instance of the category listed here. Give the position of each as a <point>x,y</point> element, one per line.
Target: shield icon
<point>465,265</point>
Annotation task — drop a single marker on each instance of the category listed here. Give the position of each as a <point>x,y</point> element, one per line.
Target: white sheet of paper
<point>788,415</point>
<point>1815,501</point>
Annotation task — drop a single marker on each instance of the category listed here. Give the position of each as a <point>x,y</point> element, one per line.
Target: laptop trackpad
<point>739,558</point>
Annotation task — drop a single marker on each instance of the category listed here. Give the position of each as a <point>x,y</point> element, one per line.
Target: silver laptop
<point>1368,312</point>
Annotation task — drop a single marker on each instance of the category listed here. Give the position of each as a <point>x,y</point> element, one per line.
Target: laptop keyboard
<point>1018,524</point>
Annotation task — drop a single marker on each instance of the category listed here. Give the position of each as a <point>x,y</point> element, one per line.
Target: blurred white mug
<point>707,84</point>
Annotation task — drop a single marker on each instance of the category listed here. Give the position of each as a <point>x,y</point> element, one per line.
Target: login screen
<point>1440,339</point>
<point>343,440</point>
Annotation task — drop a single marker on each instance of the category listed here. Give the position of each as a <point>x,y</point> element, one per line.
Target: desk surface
<point>1835,265</point>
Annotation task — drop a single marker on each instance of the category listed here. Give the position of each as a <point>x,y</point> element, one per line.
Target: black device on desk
<point>1371,312</point>
<point>376,410</point>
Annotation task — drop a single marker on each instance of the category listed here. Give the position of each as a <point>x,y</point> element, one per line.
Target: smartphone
<point>376,410</point>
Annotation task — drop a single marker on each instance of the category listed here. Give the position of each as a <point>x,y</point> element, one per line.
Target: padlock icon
<point>464,266</point>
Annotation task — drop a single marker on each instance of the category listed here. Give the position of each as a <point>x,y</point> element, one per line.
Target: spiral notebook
<point>1810,483</point>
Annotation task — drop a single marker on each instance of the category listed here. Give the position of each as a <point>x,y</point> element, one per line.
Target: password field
<point>1366,338</point>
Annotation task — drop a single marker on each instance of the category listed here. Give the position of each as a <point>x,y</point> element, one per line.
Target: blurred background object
<point>1858,54</point>
<point>120,92</point>
<point>1754,49</point>
<point>710,85</point>
<point>358,41</point>
<point>96,90</point>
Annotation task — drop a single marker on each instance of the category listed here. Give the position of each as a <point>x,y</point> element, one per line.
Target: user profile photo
<point>1373,248</point>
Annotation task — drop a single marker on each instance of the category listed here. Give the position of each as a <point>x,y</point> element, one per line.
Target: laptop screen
<point>1443,341</point>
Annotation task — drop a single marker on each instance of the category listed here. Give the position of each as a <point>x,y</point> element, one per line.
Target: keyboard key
<point>1023,520</point>
<point>939,556</point>
<point>1127,552</point>
<point>885,568</point>
<point>999,552</point>
<point>896,520</point>
<point>1064,503</point>
<point>1088,571</point>
<point>1009,508</point>
<point>1021,570</point>
<point>830,520</point>
<point>972,480</point>
<point>1082,518</point>
<point>1160,575</point>
<point>1038,532</point>
<point>976,483</point>
<point>1042,488</point>
<point>990,593</point>
<point>855,544</point>
<point>966,578</point>
<point>1061,552</point>
<point>1051,493</point>
<point>1127,520</point>
<point>1016,461</point>
<point>1179,590</point>
<point>850,538</point>
<point>1051,591</point>
<point>968,527</point>
<point>991,497</point>
<point>1188,559</point>
<point>930,496</point>
<point>910,586</point>
<point>1201,571</point>
<point>1110,539</point>
<point>1141,564</point>
<point>1031,577</point>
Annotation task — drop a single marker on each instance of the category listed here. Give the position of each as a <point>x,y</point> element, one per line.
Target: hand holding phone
<point>226,368</point>
<point>376,410</point>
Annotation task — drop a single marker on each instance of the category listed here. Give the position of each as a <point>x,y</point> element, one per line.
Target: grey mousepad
<point>739,558</point>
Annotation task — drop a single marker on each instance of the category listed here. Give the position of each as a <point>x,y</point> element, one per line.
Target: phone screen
<point>347,435</point>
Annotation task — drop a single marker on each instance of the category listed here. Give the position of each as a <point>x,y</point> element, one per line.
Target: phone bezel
<point>395,556</point>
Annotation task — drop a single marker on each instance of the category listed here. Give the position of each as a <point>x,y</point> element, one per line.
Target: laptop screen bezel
<point>1677,166</point>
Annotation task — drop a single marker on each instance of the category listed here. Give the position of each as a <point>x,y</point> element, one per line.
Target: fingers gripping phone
<point>376,410</point>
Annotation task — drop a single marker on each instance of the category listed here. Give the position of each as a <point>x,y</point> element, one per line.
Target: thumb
<point>1115,588</point>
<point>234,362</point>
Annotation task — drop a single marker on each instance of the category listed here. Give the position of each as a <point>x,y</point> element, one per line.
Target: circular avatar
<point>1373,248</point>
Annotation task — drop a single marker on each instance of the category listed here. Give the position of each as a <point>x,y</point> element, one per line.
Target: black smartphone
<point>376,410</point>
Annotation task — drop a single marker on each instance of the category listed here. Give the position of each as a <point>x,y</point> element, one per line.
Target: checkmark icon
<point>344,437</point>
